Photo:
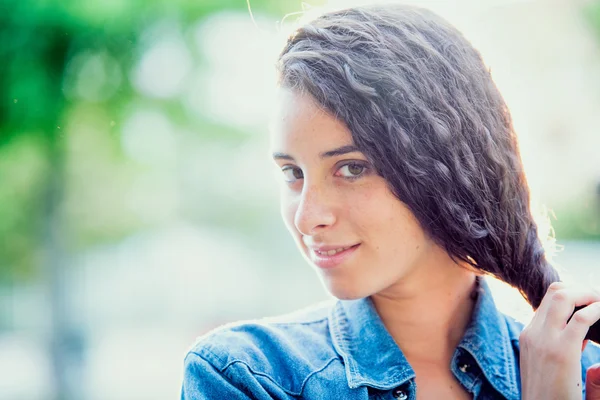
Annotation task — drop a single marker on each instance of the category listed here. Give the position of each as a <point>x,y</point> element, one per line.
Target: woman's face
<point>345,220</point>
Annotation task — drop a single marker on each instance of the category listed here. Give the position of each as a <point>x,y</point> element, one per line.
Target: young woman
<point>403,188</point>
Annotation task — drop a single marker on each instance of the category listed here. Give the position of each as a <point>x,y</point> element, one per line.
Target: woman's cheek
<point>287,209</point>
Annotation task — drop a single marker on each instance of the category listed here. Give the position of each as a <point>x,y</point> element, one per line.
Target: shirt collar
<point>490,342</point>
<point>372,358</point>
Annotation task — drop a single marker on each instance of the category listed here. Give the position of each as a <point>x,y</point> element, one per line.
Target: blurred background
<point>138,204</point>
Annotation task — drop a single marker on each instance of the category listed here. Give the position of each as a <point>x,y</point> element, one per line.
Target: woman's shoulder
<point>282,352</point>
<point>242,340</point>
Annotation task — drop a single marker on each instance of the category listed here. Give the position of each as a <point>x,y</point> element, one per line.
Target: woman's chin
<point>346,296</point>
<point>344,293</point>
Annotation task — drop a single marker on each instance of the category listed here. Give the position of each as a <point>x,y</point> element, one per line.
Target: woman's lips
<point>322,260</point>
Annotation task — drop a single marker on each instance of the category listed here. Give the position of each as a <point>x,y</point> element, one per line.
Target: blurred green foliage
<point>39,41</point>
<point>579,220</point>
<point>591,11</point>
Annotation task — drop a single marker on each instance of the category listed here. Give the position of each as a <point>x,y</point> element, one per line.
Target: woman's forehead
<point>300,121</point>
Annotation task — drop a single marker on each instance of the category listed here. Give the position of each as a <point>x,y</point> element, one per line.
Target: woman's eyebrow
<point>326,154</point>
<point>282,156</point>
<point>340,151</point>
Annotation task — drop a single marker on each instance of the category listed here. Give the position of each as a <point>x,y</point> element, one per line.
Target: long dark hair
<point>423,107</point>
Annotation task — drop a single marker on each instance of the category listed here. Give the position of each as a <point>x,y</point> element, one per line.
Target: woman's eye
<point>292,174</point>
<point>352,170</point>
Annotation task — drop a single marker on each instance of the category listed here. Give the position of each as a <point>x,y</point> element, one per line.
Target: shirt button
<point>464,367</point>
<point>400,394</point>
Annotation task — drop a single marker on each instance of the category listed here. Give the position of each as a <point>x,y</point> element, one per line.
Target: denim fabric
<point>342,350</point>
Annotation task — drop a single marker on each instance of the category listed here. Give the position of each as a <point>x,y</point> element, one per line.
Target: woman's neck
<point>427,313</point>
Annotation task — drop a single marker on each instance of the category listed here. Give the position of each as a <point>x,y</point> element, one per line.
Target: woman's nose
<point>315,211</point>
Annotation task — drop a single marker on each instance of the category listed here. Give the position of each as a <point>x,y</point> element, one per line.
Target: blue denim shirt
<point>343,351</point>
